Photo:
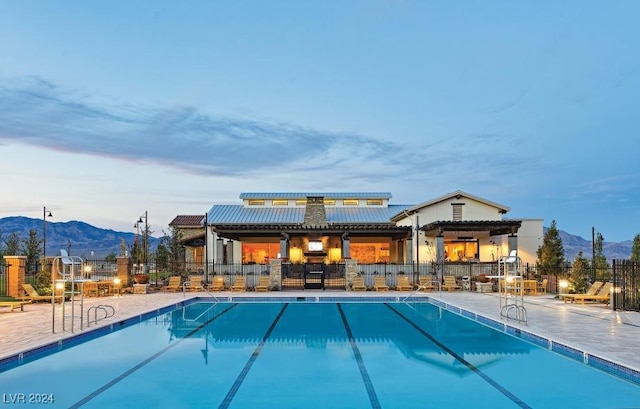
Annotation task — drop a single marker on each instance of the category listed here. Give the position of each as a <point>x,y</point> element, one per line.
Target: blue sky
<point>111,109</point>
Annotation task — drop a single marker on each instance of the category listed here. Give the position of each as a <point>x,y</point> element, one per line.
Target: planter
<point>141,278</point>
<point>484,287</point>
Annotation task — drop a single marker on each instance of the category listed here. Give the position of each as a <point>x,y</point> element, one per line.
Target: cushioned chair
<point>174,284</point>
<point>263,283</point>
<point>449,283</point>
<point>404,284</point>
<point>218,284</point>
<point>240,284</point>
<point>32,295</point>
<point>357,284</point>
<point>194,283</point>
<point>603,295</point>
<point>379,284</point>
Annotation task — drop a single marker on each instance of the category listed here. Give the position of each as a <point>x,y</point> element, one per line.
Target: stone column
<point>346,243</point>
<point>350,271</point>
<point>124,270</point>
<point>275,275</point>
<point>15,274</point>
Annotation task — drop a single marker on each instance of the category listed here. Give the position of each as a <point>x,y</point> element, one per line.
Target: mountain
<point>82,237</point>
<point>575,244</point>
<point>85,238</point>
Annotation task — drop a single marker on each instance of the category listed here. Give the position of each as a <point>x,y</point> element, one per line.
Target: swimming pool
<point>311,355</point>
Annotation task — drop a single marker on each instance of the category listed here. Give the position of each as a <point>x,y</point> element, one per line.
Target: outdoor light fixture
<point>563,284</point>
<point>45,213</point>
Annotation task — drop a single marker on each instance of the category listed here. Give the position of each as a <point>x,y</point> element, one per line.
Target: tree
<point>12,244</point>
<point>551,253</point>
<point>175,250</point>
<point>579,274</point>
<point>31,249</point>
<point>635,248</point>
<point>601,267</point>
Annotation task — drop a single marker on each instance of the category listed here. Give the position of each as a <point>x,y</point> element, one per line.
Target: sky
<point>112,109</point>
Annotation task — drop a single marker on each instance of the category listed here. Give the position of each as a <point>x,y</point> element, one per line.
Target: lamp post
<point>45,214</point>
<point>145,239</point>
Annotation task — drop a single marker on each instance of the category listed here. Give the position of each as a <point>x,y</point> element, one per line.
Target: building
<point>311,228</point>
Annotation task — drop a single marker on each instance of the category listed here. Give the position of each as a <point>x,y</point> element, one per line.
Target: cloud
<point>35,111</point>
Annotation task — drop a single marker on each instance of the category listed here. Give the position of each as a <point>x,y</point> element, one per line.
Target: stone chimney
<point>314,214</point>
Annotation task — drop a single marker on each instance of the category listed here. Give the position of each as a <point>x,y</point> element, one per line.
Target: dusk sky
<point>110,109</point>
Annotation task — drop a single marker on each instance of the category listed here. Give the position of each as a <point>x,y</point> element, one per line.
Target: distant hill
<point>83,238</point>
<point>611,250</point>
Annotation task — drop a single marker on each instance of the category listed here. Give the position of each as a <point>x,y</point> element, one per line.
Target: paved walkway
<point>592,328</point>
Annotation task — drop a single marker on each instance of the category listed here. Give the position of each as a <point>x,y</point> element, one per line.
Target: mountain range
<point>85,240</point>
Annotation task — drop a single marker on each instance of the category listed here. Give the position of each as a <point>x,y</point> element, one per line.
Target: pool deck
<point>591,328</point>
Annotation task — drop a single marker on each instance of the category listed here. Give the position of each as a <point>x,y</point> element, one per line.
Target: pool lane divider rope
<point>463,361</point>
<point>373,397</point>
<point>247,367</point>
<point>151,358</point>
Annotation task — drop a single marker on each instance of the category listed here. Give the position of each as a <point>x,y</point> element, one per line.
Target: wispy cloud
<point>35,111</point>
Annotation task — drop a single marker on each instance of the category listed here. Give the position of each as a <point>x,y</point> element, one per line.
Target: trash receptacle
<point>466,283</point>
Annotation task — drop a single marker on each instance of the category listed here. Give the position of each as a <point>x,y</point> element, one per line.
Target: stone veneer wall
<point>275,275</point>
<point>314,214</point>
<point>350,271</point>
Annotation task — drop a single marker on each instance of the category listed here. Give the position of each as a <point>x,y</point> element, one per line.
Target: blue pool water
<point>311,355</point>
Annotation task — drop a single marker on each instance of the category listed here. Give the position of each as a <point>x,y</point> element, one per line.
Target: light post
<point>145,240</point>
<point>45,214</point>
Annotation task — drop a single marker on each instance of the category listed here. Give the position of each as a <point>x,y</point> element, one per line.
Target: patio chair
<point>263,283</point>
<point>379,283</point>
<point>404,284</point>
<point>218,284</point>
<point>33,296</point>
<point>542,287</point>
<point>240,284</point>
<point>194,283</point>
<point>603,295</point>
<point>357,284</point>
<point>174,284</point>
<point>426,283</point>
<point>449,283</point>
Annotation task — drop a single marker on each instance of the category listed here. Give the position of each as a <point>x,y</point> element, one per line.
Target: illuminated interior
<point>259,253</point>
<point>461,250</point>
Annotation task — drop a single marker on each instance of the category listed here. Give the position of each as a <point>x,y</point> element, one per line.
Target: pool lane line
<point>463,361</point>
<point>247,367</point>
<point>146,361</point>
<point>371,392</point>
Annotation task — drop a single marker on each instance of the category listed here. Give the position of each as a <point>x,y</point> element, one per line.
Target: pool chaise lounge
<point>603,295</point>
<point>15,304</point>
<point>263,283</point>
<point>449,283</point>
<point>33,296</point>
<point>174,284</point>
<point>404,284</point>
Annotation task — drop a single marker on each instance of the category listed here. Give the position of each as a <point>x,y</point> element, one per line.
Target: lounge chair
<point>404,284</point>
<point>15,304</point>
<point>264,282</point>
<point>357,284</point>
<point>218,284</point>
<point>426,283</point>
<point>379,284</point>
<point>174,284</point>
<point>449,283</point>
<point>603,295</point>
<point>194,283</point>
<point>33,296</point>
<point>542,287</point>
<point>593,290</point>
<point>240,284</point>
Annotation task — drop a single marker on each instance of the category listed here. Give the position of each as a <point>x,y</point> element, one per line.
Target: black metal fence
<point>626,279</point>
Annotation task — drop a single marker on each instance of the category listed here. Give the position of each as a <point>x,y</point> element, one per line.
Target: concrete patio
<point>591,328</point>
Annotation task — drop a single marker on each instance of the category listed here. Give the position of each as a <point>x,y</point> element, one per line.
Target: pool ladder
<point>105,311</point>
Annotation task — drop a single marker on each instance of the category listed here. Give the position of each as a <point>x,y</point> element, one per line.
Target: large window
<point>259,253</point>
<point>461,250</point>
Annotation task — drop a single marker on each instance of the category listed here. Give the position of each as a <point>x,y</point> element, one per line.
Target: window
<point>301,202</point>
<point>374,202</point>
<point>280,202</point>
<point>350,202</point>
<point>256,202</point>
<point>457,211</point>
<point>329,202</point>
